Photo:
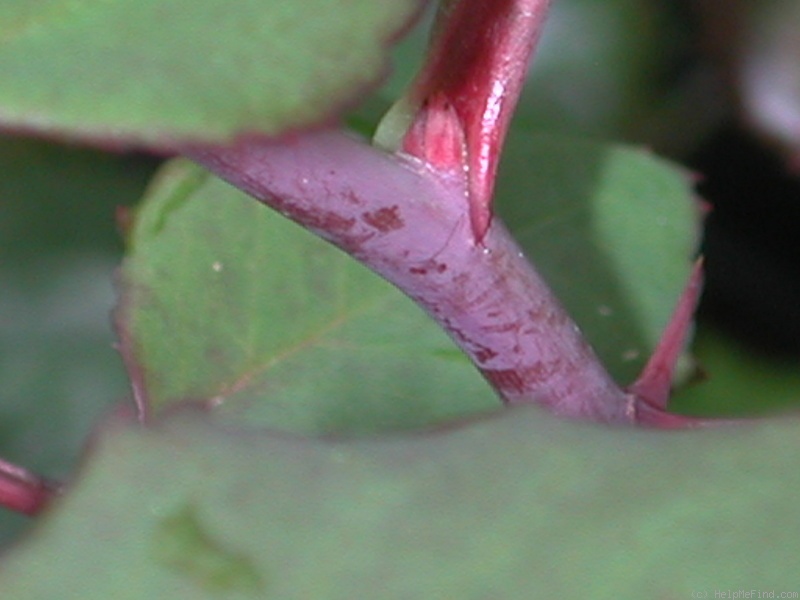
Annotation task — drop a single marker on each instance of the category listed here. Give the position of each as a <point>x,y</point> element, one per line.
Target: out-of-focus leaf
<point>497,508</point>
<point>58,370</point>
<point>599,67</point>
<point>770,71</point>
<point>226,302</point>
<point>407,57</point>
<point>612,228</point>
<point>56,200</point>
<point>737,381</point>
<point>154,72</point>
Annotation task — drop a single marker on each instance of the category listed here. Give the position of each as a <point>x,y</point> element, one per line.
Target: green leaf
<point>227,303</point>
<point>407,57</point>
<point>58,249</point>
<point>518,502</point>
<point>599,69</point>
<point>738,381</point>
<point>56,200</point>
<point>612,228</point>
<point>155,72</point>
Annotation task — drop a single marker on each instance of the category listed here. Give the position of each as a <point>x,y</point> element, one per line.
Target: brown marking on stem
<point>322,220</point>
<point>505,381</point>
<point>352,198</point>
<point>427,267</point>
<point>524,379</point>
<point>502,327</point>
<point>384,219</point>
<point>485,354</point>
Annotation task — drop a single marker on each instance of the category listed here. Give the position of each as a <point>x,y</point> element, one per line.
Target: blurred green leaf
<point>407,56</point>
<point>158,73</point>
<point>56,200</point>
<point>737,381</point>
<point>518,502</point>
<point>58,249</point>
<point>612,228</point>
<point>226,302</point>
<point>599,67</point>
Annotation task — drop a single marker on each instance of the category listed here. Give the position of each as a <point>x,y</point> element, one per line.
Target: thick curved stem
<point>411,225</point>
<point>419,214</point>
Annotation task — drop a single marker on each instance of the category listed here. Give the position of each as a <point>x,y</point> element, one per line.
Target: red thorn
<point>480,217</point>
<point>706,208</point>
<point>124,217</point>
<point>696,177</point>
<point>22,491</point>
<point>477,64</point>
<point>654,384</point>
<point>793,164</point>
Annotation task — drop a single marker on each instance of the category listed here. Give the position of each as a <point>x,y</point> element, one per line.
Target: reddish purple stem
<point>411,225</point>
<point>425,223</point>
<point>21,491</point>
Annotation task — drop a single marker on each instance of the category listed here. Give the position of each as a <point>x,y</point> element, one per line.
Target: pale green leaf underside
<point>156,72</point>
<point>498,508</point>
